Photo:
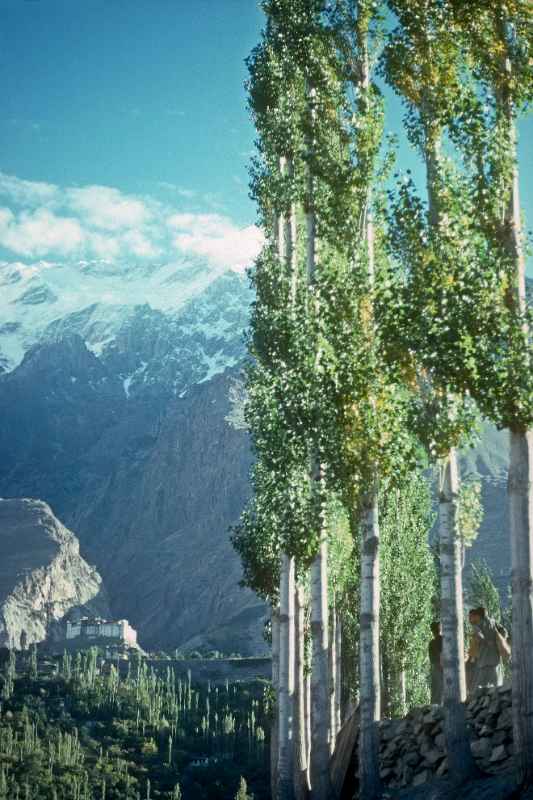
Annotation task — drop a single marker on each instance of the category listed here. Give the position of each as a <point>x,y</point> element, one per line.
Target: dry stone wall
<point>413,750</point>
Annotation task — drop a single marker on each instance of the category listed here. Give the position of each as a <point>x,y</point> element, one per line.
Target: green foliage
<point>97,734</point>
<point>341,557</point>
<point>408,582</point>
<point>378,335</point>
<point>332,339</point>
<point>457,287</point>
<point>431,249</point>
<point>318,380</point>
<point>285,402</point>
<point>470,511</point>
<point>482,591</point>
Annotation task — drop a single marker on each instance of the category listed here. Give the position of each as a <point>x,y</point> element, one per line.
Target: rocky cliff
<point>150,485</point>
<point>43,578</point>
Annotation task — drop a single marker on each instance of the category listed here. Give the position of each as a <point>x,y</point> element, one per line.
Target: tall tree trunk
<point>512,228</point>
<point>520,488</point>
<point>338,679</point>
<point>274,729</point>
<point>460,762</point>
<point>520,491</point>
<point>286,734</point>
<point>319,766</point>
<point>369,661</point>
<point>308,719</point>
<point>300,734</point>
<point>286,680</point>
<point>370,786</point>
<point>320,676</point>
<point>520,484</point>
<point>333,675</point>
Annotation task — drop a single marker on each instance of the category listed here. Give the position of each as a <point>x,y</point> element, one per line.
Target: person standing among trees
<point>435,660</point>
<point>488,648</point>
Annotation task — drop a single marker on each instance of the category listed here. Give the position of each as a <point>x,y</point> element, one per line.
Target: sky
<point>124,130</point>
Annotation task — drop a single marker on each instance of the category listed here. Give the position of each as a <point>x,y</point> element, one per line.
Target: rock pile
<point>490,718</point>
<point>413,748</point>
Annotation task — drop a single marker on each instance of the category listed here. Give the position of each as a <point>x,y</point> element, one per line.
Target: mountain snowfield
<point>188,300</point>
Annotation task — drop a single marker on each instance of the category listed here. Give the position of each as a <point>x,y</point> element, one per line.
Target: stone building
<point>102,631</point>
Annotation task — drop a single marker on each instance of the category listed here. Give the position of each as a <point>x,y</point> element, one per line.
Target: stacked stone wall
<point>413,749</point>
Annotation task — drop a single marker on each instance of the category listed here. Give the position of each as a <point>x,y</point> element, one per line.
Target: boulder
<point>481,748</point>
<point>422,777</point>
<point>499,753</point>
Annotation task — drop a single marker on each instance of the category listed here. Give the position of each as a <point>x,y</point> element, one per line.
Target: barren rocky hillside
<point>42,575</point>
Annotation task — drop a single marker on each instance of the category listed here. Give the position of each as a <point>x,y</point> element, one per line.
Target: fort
<point>101,629</point>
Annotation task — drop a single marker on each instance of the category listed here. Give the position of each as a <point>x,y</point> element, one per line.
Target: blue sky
<point>129,93</point>
<point>146,98</point>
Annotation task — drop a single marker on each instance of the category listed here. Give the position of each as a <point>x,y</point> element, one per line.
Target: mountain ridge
<point>90,421</point>
<point>94,298</point>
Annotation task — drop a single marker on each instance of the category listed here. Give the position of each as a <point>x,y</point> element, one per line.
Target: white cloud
<point>208,224</point>
<point>107,208</point>
<point>217,239</point>
<point>140,245</point>
<point>27,193</point>
<point>104,247</point>
<point>41,220</point>
<point>37,233</point>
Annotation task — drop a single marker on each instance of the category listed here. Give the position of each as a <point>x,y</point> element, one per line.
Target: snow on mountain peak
<point>159,328</point>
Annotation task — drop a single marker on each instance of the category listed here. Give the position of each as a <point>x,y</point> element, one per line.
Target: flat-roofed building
<point>102,629</point>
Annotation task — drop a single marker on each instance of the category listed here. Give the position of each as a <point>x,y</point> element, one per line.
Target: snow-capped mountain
<point>113,409</point>
<point>174,324</point>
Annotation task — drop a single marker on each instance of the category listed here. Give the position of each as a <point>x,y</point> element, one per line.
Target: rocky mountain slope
<point>100,294</point>
<point>113,409</point>
<point>116,417</point>
<point>42,575</point>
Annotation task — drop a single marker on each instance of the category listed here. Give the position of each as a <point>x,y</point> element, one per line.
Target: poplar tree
<point>471,315</point>
<point>423,64</point>
<point>275,89</point>
<point>303,42</point>
<point>498,39</point>
<point>365,433</point>
<point>271,95</point>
